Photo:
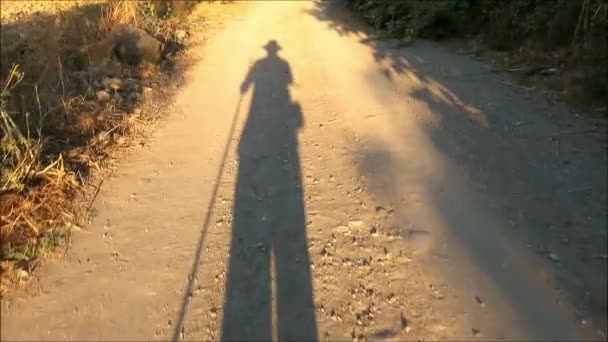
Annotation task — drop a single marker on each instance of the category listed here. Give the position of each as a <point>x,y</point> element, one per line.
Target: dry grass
<point>54,132</point>
<point>34,194</point>
<point>140,14</point>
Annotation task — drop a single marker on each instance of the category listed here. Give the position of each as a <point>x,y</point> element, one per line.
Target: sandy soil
<point>314,183</point>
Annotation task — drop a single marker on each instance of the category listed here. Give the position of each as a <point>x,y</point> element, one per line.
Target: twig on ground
<point>96,193</point>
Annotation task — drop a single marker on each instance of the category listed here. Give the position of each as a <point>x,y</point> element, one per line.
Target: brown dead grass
<point>54,132</point>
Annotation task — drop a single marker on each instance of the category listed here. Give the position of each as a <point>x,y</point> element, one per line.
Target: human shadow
<point>269,261</point>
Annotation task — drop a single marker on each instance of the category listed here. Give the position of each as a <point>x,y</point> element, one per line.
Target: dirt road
<point>314,183</point>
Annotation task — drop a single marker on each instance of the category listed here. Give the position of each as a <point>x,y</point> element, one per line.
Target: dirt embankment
<point>77,83</point>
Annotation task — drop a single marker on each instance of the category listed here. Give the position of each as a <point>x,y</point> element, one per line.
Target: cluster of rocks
<point>130,47</point>
<point>103,69</point>
<point>122,92</point>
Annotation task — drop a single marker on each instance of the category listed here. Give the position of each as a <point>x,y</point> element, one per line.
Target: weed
<point>570,33</point>
<point>53,128</point>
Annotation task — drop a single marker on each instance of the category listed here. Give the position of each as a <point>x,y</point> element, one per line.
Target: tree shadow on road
<point>269,261</point>
<point>544,166</point>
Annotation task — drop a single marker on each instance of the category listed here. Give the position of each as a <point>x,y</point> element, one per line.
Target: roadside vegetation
<point>561,45</point>
<point>74,75</point>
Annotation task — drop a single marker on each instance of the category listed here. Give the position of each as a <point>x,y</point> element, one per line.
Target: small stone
<point>112,83</point>
<point>381,210</point>
<point>354,224</point>
<point>180,34</point>
<point>475,331</point>
<point>391,298</point>
<point>22,274</point>
<point>103,96</point>
<point>373,232</point>
<point>437,294</point>
<point>261,247</point>
<point>213,312</point>
<point>549,71</point>
<point>554,257</point>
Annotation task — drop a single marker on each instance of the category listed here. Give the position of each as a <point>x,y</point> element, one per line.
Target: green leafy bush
<point>569,33</point>
<point>408,19</point>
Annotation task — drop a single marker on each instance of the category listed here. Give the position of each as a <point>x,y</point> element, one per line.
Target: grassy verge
<point>65,106</point>
<point>559,44</point>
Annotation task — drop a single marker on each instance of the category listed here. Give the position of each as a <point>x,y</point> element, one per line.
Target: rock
<point>135,47</point>
<point>103,96</point>
<point>112,83</point>
<point>354,224</point>
<point>383,211</point>
<point>391,298</point>
<point>435,292</point>
<point>553,257</point>
<point>180,35</point>
<point>373,232</point>
<point>22,274</point>
<point>261,247</point>
<point>549,71</point>
<point>475,331</point>
<point>542,70</point>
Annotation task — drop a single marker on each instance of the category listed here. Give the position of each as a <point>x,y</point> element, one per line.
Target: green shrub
<point>408,19</point>
<point>567,32</point>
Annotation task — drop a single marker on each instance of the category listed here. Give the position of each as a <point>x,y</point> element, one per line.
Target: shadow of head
<point>272,47</point>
